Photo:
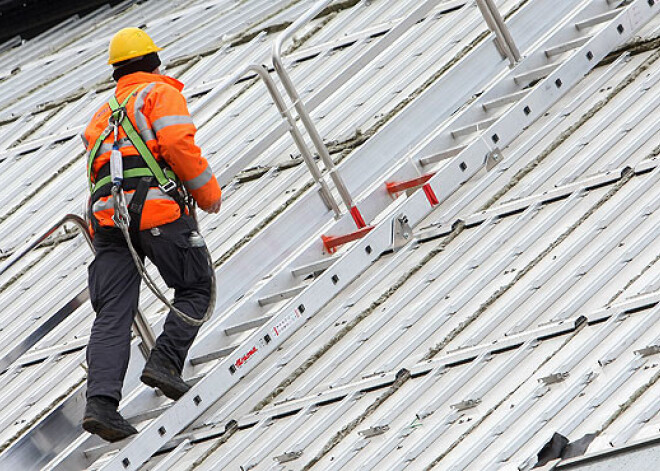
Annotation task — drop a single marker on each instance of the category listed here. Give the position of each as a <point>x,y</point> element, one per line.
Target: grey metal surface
<point>467,297</point>
<point>642,455</point>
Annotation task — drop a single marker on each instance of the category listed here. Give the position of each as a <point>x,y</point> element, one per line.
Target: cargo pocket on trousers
<point>196,268</point>
<point>179,262</point>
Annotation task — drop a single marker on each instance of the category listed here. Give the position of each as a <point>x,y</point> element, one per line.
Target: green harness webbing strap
<point>131,173</point>
<point>166,178</point>
<point>92,156</point>
<point>165,183</point>
<point>97,145</point>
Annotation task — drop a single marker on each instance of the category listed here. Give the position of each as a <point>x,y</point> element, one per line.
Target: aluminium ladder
<point>545,83</point>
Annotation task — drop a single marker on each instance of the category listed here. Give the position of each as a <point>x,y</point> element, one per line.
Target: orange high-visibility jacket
<point>160,115</point>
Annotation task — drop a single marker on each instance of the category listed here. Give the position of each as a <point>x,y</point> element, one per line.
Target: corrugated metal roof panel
<point>565,239</point>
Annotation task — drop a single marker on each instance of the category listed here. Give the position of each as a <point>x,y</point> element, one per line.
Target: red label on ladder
<point>242,360</point>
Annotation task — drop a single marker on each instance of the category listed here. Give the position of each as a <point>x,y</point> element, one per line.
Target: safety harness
<point>127,217</point>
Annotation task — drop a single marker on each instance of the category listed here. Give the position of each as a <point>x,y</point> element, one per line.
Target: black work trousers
<point>114,288</point>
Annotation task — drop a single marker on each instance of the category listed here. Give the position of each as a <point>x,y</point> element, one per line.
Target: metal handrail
<point>292,127</point>
<point>140,324</point>
<point>297,136</point>
<point>496,24</point>
<point>73,218</point>
<point>290,88</point>
<point>493,20</point>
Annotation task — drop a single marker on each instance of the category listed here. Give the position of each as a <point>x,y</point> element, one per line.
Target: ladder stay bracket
<point>330,243</point>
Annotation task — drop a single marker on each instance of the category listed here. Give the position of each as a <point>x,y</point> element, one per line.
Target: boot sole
<point>157,381</point>
<point>96,427</point>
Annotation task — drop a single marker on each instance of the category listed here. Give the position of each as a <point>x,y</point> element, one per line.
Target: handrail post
<point>302,110</point>
<point>326,195</point>
<point>292,127</point>
<point>503,37</point>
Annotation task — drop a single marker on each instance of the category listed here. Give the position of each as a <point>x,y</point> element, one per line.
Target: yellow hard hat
<point>129,43</point>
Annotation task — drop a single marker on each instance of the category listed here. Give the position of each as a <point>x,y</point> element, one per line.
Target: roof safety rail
<point>304,114</point>
<point>503,39</point>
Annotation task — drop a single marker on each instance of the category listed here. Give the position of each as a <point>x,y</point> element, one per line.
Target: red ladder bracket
<point>330,243</point>
<point>396,187</point>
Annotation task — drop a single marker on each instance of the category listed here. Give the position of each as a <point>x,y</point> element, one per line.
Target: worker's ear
<point>156,71</point>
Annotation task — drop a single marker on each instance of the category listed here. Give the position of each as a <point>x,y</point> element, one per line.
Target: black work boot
<point>159,372</point>
<point>102,419</point>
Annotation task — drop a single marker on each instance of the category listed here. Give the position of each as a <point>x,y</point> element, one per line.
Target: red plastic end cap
<point>430,195</point>
<point>330,243</point>
<point>396,187</point>
<point>357,217</point>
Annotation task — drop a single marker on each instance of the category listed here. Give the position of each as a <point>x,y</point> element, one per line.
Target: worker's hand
<point>214,208</point>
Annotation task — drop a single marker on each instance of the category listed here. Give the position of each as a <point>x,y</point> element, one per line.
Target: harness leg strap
<point>136,205</point>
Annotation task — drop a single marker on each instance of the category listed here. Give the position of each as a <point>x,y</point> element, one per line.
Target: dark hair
<point>147,63</point>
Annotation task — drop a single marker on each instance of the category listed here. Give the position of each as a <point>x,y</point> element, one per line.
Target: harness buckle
<point>168,187</point>
<point>118,116</point>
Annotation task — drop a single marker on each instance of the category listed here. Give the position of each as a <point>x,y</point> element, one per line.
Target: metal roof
<point>465,349</point>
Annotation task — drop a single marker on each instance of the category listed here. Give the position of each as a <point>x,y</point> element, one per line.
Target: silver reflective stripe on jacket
<point>173,120</point>
<point>108,147</point>
<point>200,180</point>
<point>152,194</point>
<point>143,128</point>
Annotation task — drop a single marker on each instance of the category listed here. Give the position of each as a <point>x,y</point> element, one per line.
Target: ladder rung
<point>567,46</point>
<point>103,452</point>
<point>504,100</point>
<point>216,355</point>
<point>149,414</point>
<point>193,380</point>
<point>442,155</point>
<point>98,464</point>
<point>471,128</point>
<point>534,74</point>
<point>247,325</point>
<point>596,20</point>
<point>314,267</point>
<point>276,297</point>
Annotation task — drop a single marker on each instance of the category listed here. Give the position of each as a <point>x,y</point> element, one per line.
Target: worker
<point>161,227</point>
